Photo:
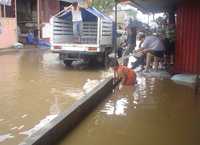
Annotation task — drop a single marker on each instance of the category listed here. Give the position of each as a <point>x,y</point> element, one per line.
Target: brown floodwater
<point>154,112</point>
<point>35,87</point>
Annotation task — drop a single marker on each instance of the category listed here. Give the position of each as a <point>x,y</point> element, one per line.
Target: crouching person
<point>123,73</point>
<point>152,47</point>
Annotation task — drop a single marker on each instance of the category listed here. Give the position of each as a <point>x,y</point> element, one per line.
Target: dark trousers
<point>138,62</point>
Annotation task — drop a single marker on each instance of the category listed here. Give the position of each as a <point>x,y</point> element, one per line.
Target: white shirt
<point>153,43</point>
<point>76,15</point>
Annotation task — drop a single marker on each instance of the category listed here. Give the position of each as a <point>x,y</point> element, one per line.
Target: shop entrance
<point>27,18</point>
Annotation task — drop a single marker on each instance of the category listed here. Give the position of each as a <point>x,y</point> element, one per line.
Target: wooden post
<point>38,18</point>
<point>4,10</point>
<point>17,30</point>
<point>115,38</point>
<point>115,31</point>
<point>16,9</point>
<point>0,11</point>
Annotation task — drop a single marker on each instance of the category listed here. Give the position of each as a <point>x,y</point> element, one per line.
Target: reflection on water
<point>153,112</point>
<point>34,88</point>
<point>118,108</point>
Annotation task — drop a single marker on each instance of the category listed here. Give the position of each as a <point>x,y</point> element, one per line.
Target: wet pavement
<point>35,87</point>
<point>154,112</point>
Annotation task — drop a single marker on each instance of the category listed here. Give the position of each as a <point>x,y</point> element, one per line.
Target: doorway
<point>27,18</point>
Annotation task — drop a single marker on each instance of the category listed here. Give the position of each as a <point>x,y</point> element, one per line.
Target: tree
<point>103,5</point>
<point>132,13</point>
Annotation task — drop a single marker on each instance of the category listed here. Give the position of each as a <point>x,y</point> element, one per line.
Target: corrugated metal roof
<point>154,5</point>
<point>89,14</point>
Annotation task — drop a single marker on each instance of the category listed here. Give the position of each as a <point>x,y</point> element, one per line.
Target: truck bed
<point>63,32</point>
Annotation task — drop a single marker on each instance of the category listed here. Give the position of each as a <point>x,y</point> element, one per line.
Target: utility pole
<point>0,12</point>
<point>115,30</point>
<point>4,10</point>
<point>38,18</point>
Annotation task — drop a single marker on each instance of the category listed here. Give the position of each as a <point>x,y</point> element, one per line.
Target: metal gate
<point>188,39</point>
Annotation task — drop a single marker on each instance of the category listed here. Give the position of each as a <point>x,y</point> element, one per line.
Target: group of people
<point>151,47</point>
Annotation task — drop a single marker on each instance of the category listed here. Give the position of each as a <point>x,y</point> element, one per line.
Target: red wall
<point>188,39</point>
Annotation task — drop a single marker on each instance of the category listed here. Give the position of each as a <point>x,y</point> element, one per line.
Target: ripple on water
<point>117,108</point>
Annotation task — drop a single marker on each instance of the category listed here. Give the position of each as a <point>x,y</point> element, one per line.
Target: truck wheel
<point>67,62</point>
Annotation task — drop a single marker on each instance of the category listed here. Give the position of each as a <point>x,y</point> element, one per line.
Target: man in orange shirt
<point>123,73</point>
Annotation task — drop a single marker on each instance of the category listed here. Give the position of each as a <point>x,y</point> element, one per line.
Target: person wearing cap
<point>76,18</point>
<point>123,73</point>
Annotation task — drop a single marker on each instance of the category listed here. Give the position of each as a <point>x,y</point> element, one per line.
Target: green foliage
<point>132,13</point>
<point>103,5</point>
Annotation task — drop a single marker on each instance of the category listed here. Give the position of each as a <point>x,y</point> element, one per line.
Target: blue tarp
<point>89,14</point>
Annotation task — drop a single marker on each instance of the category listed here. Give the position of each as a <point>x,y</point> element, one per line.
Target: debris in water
<point>14,128</point>
<point>5,137</point>
<point>22,126</point>
<point>90,85</point>
<point>1,120</point>
<point>24,116</point>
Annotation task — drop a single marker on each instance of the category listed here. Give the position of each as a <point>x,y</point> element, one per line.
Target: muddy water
<point>34,88</point>
<point>154,112</point>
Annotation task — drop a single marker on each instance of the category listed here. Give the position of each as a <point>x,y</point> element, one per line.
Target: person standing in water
<point>123,73</point>
<point>76,18</point>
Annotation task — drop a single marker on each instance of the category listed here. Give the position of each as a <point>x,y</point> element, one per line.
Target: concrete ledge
<point>66,121</point>
<point>185,79</point>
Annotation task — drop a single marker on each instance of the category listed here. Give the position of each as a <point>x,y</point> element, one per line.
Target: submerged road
<point>153,112</point>
<point>35,87</point>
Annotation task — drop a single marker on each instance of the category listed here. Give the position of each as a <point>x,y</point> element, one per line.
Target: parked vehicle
<point>95,40</point>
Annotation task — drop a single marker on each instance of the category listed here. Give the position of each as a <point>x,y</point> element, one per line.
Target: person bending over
<point>152,47</point>
<point>123,73</point>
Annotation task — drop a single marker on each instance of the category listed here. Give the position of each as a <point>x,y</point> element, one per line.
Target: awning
<point>153,6</point>
<point>72,1</point>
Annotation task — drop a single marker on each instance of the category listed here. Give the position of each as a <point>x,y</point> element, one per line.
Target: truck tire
<point>67,62</point>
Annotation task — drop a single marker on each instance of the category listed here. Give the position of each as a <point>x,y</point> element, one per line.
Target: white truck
<point>96,39</point>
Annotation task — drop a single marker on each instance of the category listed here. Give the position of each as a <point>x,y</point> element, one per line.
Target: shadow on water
<point>85,66</point>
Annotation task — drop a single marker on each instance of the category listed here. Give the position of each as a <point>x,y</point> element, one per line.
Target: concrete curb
<point>66,121</point>
<point>8,50</point>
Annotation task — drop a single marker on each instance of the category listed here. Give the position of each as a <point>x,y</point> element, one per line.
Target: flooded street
<point>154,112</point>
<point>34,88</point>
